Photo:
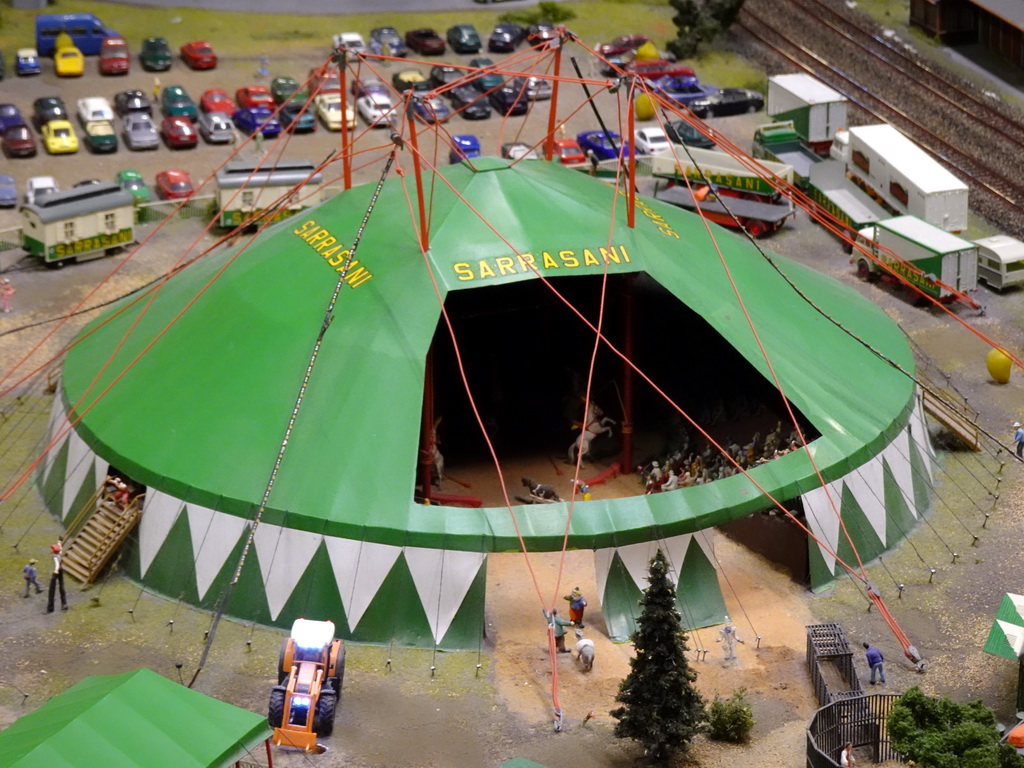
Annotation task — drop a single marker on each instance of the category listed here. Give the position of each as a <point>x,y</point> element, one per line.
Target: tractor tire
<point>339,670</point>
<point>323,718</point>
<point>275,713</point>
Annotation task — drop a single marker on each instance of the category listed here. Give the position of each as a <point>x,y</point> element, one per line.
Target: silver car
<point>216,128</point>
<point>537,88</point>
<point>139,131</point>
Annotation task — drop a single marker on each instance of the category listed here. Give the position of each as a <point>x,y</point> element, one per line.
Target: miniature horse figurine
<point>594,423</point>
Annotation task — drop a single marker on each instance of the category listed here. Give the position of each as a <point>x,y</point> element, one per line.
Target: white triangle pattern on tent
<point>360,567</point>
<point>637,557</point>
<point>159,513</point>
<point>920,437</point>
<point>897,458</point>
<point>442,578</point>
<point>602,564</point>
<point>867,484</point>
<point>214,536</point>
<point>57,420</point>
<point>1013,635</point>
<point>285,554</point>
<point>81,471</point>
<point>823,520</point>
<point>1018,604</point>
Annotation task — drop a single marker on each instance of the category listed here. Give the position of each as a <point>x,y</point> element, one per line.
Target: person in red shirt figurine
<point>576,605</point>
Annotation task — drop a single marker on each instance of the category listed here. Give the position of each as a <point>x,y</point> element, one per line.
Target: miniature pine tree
<point>661,709</point>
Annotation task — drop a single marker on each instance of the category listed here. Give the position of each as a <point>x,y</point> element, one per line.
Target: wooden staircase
<point>95,534</point>
<point>958,422</point>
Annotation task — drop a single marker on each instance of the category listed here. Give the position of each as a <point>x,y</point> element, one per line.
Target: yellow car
<point>328,107</point>
<point>59,137</point>
<point>69,62</point>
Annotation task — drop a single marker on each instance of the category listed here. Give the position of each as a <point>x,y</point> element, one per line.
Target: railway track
<point>980,139</point>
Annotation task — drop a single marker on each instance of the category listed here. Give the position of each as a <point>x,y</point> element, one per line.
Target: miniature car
<point>650,140</point>
<point>351,41</point>
<point>198,54</point>
<point>651,69</point>
<point>252,119</point>
<point>284,89</point>
<point>255,96</point>
<point>409,78</point>
<point>538,89</point>
<point>431,110</point>
<point>47,108</point>
<point>69,62</point>
<point>511,98</point>
<point>425,41</point>
<point>216,127</point>
<point>464,145</point>
<point>444,74</point>
<point>59,137</point>
<point>487,80</point>
<point>216,100</point>
<point>26,62</point>
<point>38,187</point>
<point>8,191</point>
<point>155,54</point>
<point>684,89</point>
<point>131,181</point>
<point>328,109</point>
<point>600,143</point>
<point>174,185</point>
<point>296,119</point>
<point>469,102</point>
<point>139,132</point>
<point>622,44</point>
<point>374,110</point>
<point>178,132</point>
<point>368,85</point>
<point>463,38</point>
<point>569,152</point>
<point>114,58</point>
<point>100,136</point>
<point>126,102</point>
<point>94,108</point>
<point>538,33</point>
<point>517,150</point>
<point>681,132</point>
<point>728,101</point>
<point>390,41</point>
<point>10,116</point>
<point>175,102</point>
<point>18,141</point>
<point>505,38</point>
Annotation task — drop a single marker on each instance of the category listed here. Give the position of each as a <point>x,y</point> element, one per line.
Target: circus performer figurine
<point>594,423</point>
<point>728,638</point>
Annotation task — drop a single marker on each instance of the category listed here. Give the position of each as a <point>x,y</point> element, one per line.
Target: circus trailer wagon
<point>247,191</point>
<point>816,111</point>
<point>418,341</point>
<point>81,223</point>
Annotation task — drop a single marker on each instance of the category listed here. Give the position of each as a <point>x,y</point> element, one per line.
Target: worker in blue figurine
<point>876,662</point>
<point>31,577</point>
<point>1018,438</point>
<point>558,625</point>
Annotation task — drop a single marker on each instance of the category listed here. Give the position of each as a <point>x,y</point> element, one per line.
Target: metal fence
<point>859,720</point>
<point>149,213</point>
<point>10,238</point>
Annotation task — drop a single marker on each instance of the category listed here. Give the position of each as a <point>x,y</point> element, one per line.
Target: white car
<point>94,108</point>
<point>351,41</point>
<point>650,140</point>
<point>38,187</point>
<point>374,109</point>
<point>328,108</point>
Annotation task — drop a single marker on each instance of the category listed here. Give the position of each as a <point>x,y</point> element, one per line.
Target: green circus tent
<point>203,374</point>
<point>132,720</point>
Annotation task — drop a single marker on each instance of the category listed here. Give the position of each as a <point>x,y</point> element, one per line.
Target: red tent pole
<point>631,194</point>
<point>549,142</point>
<point>419,173</point>
<point>627,381</point>
<point>346,159</point>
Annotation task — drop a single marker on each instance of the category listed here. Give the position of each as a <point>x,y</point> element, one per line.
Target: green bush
<point>731,719</point>
<point>553,13</point>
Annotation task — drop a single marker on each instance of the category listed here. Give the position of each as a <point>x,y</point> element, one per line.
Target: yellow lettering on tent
<point>333,251</point>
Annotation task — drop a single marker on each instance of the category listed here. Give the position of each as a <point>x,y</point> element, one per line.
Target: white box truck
<point>904,176</point>
<point>817,111</point>
<point>927,257</point>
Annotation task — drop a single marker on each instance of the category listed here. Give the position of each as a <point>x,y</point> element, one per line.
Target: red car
<point>425,41</point>
<point>622,44</point>
<point>324,80</point>
<point>216,100</point>
<point>18,141</point>
<point>114,56</point>
<point>179,132</point>
<point>255,96</point>
<point>654,68</point>
<point>569,152</point>
<point>174,185</point>
<point>198,55</point>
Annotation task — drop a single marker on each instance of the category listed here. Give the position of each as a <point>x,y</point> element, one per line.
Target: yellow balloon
<point>647,52</point>
<point>644,107</point>
<point>999,366</point>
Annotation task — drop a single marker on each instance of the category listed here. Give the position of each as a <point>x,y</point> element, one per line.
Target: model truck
<point>844,200</point>
<point>816,111</point>
<point>310,672</point>
<point>902,176</point>
<point>781,143</point>
<point>726,190</point>
<point>938,263</point>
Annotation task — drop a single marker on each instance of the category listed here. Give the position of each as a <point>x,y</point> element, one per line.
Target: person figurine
<point>1018,434</point>
<point>57,579</point>
<point>7,290</point>
<point>30,573</point>
<point>728,638</point>
<point>671,483</point>
<point>576,605</point>
<point>846,759</point>
<point>156,90</point>
<point>876,662</point>
<point>258,142</point>
<point>584,489</point>
<point>558,625</point>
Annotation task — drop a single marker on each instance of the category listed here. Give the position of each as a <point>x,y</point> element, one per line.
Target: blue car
<point>599,144</point>
<point>26,62</point>
<point>465,145</point>
<point>297,121</point>
<point>254,119</point>
<point>431,110</point>
<point>389,41</point>
<point>683,89</point>
<point>10,116</point>
<point>8,191</point>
